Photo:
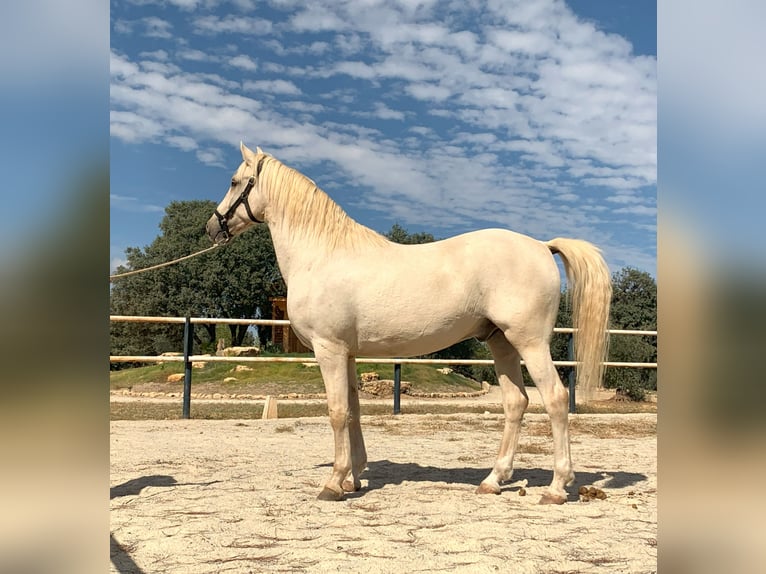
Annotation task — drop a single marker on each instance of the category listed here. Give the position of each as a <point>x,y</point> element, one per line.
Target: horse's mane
<point>310,213</point>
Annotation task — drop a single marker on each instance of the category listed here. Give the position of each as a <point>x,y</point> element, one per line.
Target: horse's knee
<point>515,408</point>
<point>339,418</point>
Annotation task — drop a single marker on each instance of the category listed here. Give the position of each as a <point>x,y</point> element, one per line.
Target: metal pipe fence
<point>188,358</point>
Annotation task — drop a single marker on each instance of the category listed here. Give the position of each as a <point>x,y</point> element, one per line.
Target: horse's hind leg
<point>537,358</point>
<point>515,401</point>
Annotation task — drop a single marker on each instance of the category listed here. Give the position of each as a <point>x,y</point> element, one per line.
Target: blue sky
<point>445,117</point>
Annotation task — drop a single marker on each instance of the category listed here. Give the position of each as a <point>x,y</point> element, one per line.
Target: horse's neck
<point>288,257</point>
<point>304,247</point>
<point>308,226</point>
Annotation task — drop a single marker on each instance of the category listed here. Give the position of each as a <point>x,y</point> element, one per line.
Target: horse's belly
<point>416,338</point>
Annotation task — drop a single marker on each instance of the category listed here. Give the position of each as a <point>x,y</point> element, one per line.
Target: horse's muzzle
<point>216,232</point>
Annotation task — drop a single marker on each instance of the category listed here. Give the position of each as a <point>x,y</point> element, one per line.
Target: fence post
<point>188,348</point>
<point>397,387</point>
<point>572,374</point>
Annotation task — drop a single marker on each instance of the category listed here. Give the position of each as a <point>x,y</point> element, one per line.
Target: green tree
<point>400,235</point>
<point>634,306</point>
<point>232,281</point>
<point>634,300</point>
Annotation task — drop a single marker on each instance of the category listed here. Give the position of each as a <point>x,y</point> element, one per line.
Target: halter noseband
<point>243,198</point>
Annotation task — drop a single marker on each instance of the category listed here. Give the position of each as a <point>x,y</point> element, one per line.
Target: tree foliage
<point>233,281</point>
<point>634,306</point>
<point>400,235</point>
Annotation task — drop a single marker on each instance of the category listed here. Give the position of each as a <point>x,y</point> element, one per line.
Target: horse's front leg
<point>358,451</point>
<point>334,364</point>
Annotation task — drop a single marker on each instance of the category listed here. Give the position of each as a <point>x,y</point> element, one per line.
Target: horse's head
<point>244,204</point>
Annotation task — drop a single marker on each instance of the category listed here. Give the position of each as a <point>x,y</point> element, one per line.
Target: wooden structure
<point>283,335</point>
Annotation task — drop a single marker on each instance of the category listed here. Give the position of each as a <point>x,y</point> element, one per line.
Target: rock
<point>229,379</point>
<point>240,368</point>
<point>171,354</point>
<point>367,377</point>
<point>239,352</point>
<point>485,386</point>
<point>198,364</point>
<point>175,378</point>
<point>445,371</point>
<point>384,388</point>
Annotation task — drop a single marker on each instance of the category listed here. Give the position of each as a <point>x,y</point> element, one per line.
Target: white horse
<point>352,292</point>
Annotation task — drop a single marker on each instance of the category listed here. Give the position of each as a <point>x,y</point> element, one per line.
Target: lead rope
<point>120,275</point>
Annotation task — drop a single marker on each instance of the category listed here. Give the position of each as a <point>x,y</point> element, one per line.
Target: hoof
<point>331,495</point>
<point>349,486</point>
<point>552,499</point>
<point>485,488</point>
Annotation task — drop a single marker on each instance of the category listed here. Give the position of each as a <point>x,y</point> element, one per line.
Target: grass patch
<point>273,378</point>
<point>276,378</point>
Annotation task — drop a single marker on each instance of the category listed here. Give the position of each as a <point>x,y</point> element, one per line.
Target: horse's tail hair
<point>590,291</point>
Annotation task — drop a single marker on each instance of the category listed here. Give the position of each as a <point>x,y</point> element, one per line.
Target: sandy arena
<point>200,496</point>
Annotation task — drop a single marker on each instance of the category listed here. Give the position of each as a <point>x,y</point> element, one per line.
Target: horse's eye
<point>234,183</point>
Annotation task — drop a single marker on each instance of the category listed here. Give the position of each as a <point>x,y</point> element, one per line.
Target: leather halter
<point>242,199</point>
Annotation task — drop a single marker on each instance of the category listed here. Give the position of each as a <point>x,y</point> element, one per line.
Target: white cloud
<point>211,156</point>
<point>232,25</point>
<point>428,92</point>
<point>133,204</point>
<point>193,55</point>
<point>614,182</point>
<point>315,18</point>
<point>133,127</point>
<point>272,87</point>
<point>182,142</point>
<point>383,112</point>
<point>157,27</point>
<point>159,55</point>
<point>122,26</point>
<point>244,62</point>
<point>533,43</point>
<point>642,210</point>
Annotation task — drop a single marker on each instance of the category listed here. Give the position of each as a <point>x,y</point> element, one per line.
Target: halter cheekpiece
<point>243,198</point>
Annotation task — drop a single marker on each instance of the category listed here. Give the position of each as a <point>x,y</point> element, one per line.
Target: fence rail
<point>187,358</point>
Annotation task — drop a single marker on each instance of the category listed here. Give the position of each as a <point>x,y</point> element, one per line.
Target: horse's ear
<point>258,149</point>
<point>247,154</point>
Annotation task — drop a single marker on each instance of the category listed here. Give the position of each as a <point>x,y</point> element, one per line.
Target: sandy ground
<point>200,496</point>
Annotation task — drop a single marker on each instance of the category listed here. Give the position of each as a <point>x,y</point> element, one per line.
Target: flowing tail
<point>590,288</point>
